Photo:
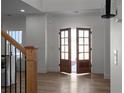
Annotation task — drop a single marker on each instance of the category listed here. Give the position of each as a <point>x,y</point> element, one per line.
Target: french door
<point>83,50</point>
<point>65,50</point>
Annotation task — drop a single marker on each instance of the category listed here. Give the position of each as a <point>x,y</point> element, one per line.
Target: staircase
<point>15,81</point>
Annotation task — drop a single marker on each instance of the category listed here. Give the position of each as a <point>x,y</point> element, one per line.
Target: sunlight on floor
<point>73,83</point>
<point>73,75</point>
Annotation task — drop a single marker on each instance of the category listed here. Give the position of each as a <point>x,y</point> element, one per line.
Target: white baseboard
<point>42,70</point>
<point>106,76</point>
<point>53,69</point>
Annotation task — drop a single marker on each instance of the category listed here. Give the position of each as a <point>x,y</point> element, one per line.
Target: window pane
<point>86,41</point>
<point>20,37</point>
<point>86,33</point>
<point>80,40</point>
<point>81,56</point>
<point>86,48</point>
<point>86,56</point>
<point>66,40</point>
<point>81,33</point>
<point>62,48</point>
<point>62,41</point>
<point>62,55</point>
<point>12,33</point>
<point>80,48</point>
<point>17,35</point>
<point>66,48</point>
<point>66,55</point>
<point>66,33</point>
<point>62,34</point>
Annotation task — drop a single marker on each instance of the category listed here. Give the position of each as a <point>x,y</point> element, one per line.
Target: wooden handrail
<point>13,42</point>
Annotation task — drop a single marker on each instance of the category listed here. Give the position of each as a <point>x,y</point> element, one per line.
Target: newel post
<point>31,69</point>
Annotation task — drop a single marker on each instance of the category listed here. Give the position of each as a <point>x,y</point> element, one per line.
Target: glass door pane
<point>66,48</point>
<point>62,56</point>
<point>62,41</point>
<point>66,41</point>
<point>86,48</point>
<point>62,34</point>
<point>81,56</point>
<point>81,49</point>
<point>66,56</point>
<point>81,33</point>
<point>86,56</point>
<point>62,49</point>
<point>86,33</point>
<point>81,41</point>
<point>66,33</point>
<point>86,40</point>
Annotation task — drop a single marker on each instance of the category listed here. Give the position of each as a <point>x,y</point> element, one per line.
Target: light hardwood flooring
<point>67,83</point>
<point>61,83</point>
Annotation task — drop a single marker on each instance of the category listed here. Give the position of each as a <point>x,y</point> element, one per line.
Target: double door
<point>83,50</point>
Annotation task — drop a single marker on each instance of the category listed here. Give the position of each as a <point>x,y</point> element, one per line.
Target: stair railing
<point>30,54</point>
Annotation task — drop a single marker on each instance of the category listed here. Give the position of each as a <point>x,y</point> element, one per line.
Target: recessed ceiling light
<point>9,15</point>
<point>76,12</point>
<point>22,10</point>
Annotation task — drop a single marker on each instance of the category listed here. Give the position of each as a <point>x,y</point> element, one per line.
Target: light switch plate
<point>116,57</point>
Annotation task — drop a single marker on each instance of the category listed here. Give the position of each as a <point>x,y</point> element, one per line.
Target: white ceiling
<point>69,5</point>
<point>51,6</point>
<point>12,7</point>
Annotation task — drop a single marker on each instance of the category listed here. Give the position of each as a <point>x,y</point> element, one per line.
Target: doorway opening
<point>73,51</point>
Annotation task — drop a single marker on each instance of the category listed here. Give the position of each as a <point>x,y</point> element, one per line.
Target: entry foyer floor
<point>63,83</point>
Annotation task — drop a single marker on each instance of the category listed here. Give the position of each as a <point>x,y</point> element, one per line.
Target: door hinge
<point>90,48</point>
<point>59,48</point>
<point>90,32</point>
<point>59,33</point>
<point>90,65</point>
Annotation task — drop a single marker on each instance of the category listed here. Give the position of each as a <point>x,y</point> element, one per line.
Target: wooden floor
<point>61,83</point>
<point>66,83</point>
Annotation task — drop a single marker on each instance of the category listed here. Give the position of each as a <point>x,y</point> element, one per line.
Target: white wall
<point>107,49</point>
<point>55,23</point>
<point>116,44</point>
<point>35,35</point>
